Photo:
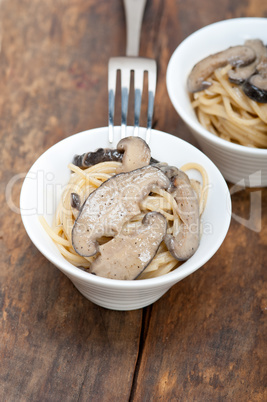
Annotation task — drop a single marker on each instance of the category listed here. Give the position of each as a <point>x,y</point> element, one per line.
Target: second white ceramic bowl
<point>238,164</point>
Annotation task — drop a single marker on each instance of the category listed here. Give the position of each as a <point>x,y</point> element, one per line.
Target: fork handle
<point>134,10</point>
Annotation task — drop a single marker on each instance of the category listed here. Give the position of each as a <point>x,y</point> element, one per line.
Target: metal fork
<point>134,10</point>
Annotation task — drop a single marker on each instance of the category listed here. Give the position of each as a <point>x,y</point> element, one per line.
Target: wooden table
<point>205,339</point>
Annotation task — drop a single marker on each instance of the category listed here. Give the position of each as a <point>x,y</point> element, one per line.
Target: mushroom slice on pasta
<point>183,244</point>
<point>128,254</point>
<point>136,154</point>
<point>114,203</point>
<point>239,74</point>
<point>236,56</point>
<point>133,152</point>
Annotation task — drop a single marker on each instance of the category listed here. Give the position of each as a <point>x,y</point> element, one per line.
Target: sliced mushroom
<point>153,161</point>
<point>100,155</point>
<point>236,56</point>
<point>136,154</point>
<point>184,244</point>
<point>115,202</point>
<point>127,148</point>
<point>256,86</point>
<point>127,255</point>
<point>170,171</point>
<point>240,74</point>
<point>75,201</point>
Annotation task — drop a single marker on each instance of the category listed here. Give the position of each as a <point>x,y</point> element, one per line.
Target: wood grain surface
<point>205,340</point>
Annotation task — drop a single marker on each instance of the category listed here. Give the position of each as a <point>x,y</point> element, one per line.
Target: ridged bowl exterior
<point>127,300</point>
<point>237,163</point>
<point>236,166</point>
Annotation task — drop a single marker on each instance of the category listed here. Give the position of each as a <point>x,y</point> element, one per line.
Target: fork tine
<point>125,85</point>
<point>152,80</point>
<point>112,75</point>
<point>138,85</point>
<point>138,66</point>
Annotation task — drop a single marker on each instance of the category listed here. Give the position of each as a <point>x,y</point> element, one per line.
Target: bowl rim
<point>168,279</point>
<point>195,124</point>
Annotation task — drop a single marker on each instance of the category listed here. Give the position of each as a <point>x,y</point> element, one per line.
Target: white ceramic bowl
<point>42,189</point>
<point>236,162</point>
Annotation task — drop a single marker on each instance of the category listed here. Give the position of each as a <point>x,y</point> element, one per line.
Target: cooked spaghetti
<point>84,181</point>
<point>225,110</point>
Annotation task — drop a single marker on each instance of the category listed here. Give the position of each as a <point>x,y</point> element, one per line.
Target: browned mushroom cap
<point>240,74</point>
<point>115,202</point>
<point>124,152</point>
<point>100,155</point>
<point>127,255</point>
<point>256,86</point>
<point>136,154</point>
<point>75,201</point>
<point>184,244</point>
<point>236,56</point>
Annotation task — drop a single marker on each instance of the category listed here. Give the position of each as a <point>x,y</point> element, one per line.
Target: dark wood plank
<point>205,340</point>
<point>212,346</point>
<point>55,344</point>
